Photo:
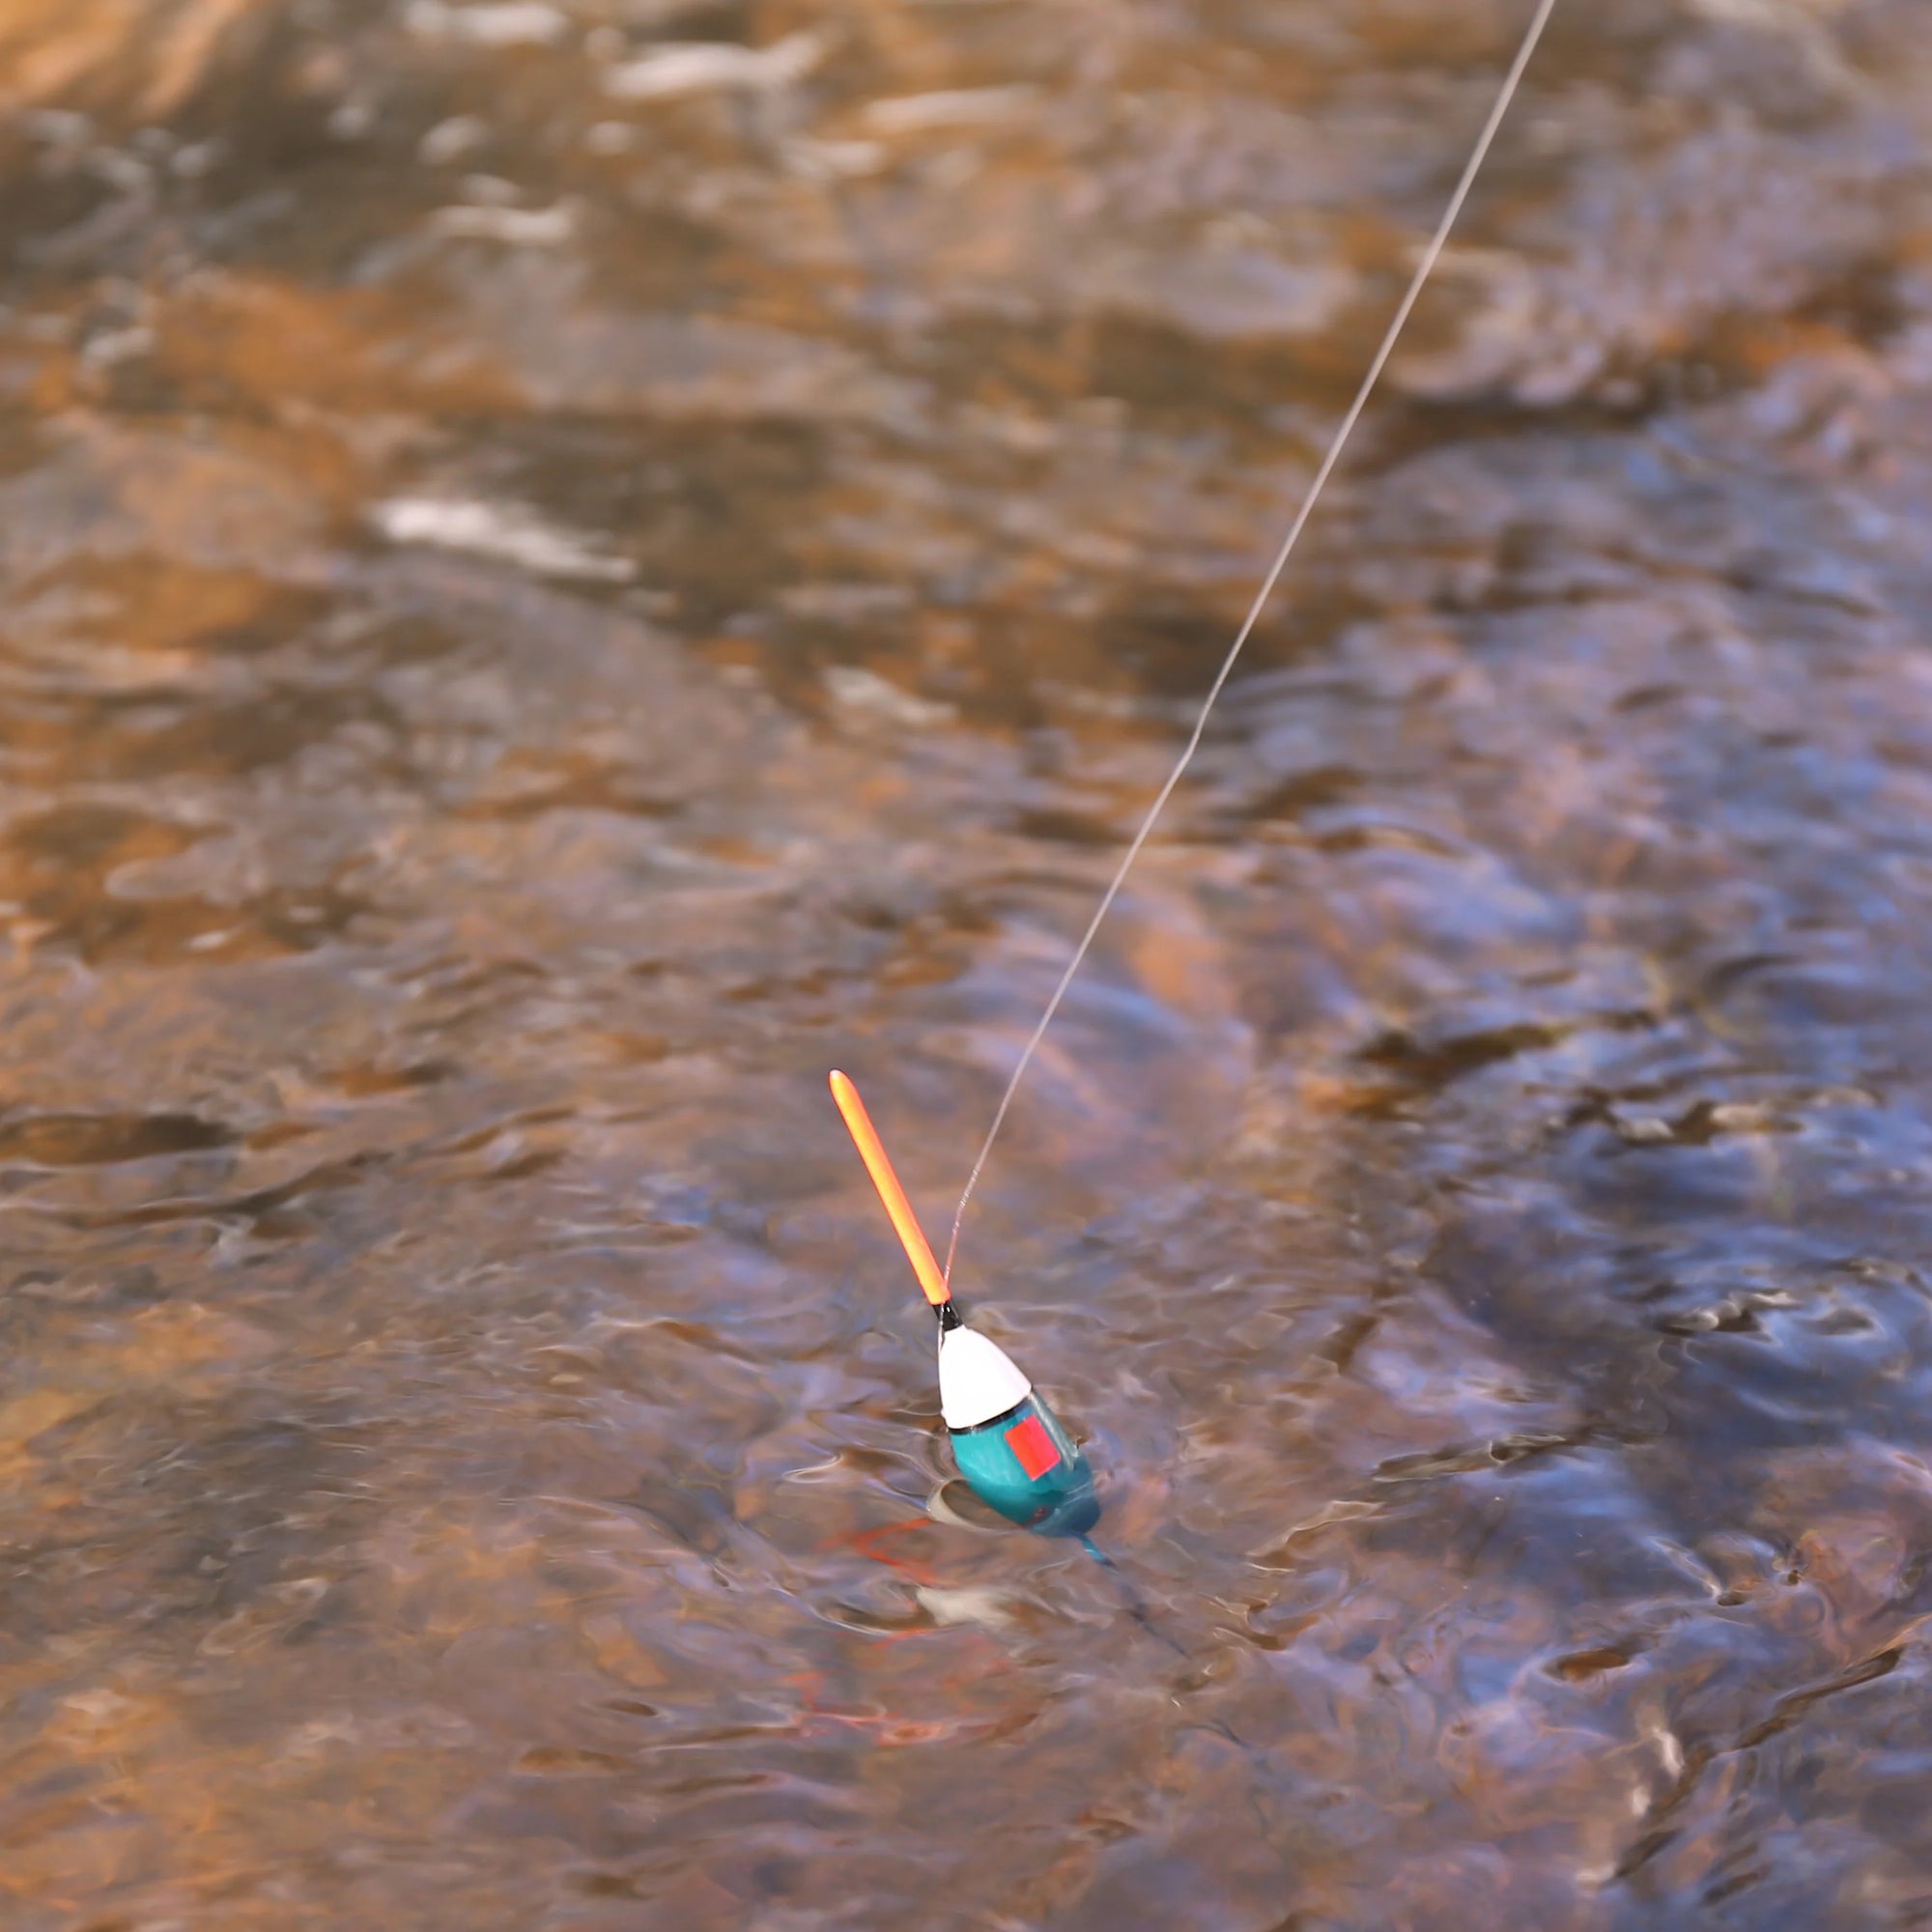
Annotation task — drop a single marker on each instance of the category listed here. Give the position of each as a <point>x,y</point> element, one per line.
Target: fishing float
<point>1013,1450</point>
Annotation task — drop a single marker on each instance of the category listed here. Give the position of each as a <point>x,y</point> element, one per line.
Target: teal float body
<point>1009,1446</point>
<point>1024,1464</point>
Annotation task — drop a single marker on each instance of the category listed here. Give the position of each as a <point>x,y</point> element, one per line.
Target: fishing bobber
<point>1009,1446</point>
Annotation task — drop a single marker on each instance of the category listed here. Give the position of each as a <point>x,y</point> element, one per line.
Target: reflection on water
<point>569,564</point>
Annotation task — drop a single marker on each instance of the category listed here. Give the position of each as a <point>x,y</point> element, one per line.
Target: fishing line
<point>1133,1602</point>
<point>1339,443</point>
<point>1012,1451</point>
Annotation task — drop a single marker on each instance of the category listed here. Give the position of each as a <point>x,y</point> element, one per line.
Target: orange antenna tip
<point>905,1223</point>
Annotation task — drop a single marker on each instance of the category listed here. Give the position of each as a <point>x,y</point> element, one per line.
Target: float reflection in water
<point>1009,1445</point>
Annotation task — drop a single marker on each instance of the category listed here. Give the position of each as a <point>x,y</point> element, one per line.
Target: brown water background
<point>557,586</point>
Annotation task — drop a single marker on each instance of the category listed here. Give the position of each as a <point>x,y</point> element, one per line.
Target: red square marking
<point>1034,1446</point>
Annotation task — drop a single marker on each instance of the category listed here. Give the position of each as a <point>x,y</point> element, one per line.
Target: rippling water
<point>570,564</point>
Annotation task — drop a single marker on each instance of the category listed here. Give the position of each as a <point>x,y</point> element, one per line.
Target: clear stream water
<point>570,564</point>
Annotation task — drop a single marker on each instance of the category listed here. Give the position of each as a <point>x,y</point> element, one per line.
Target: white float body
<point>977,1380</point>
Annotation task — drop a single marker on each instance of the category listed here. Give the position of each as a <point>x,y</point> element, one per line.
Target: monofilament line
<point>1423,268</point>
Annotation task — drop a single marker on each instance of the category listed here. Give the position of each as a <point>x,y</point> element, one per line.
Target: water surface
<point>570,564</point>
